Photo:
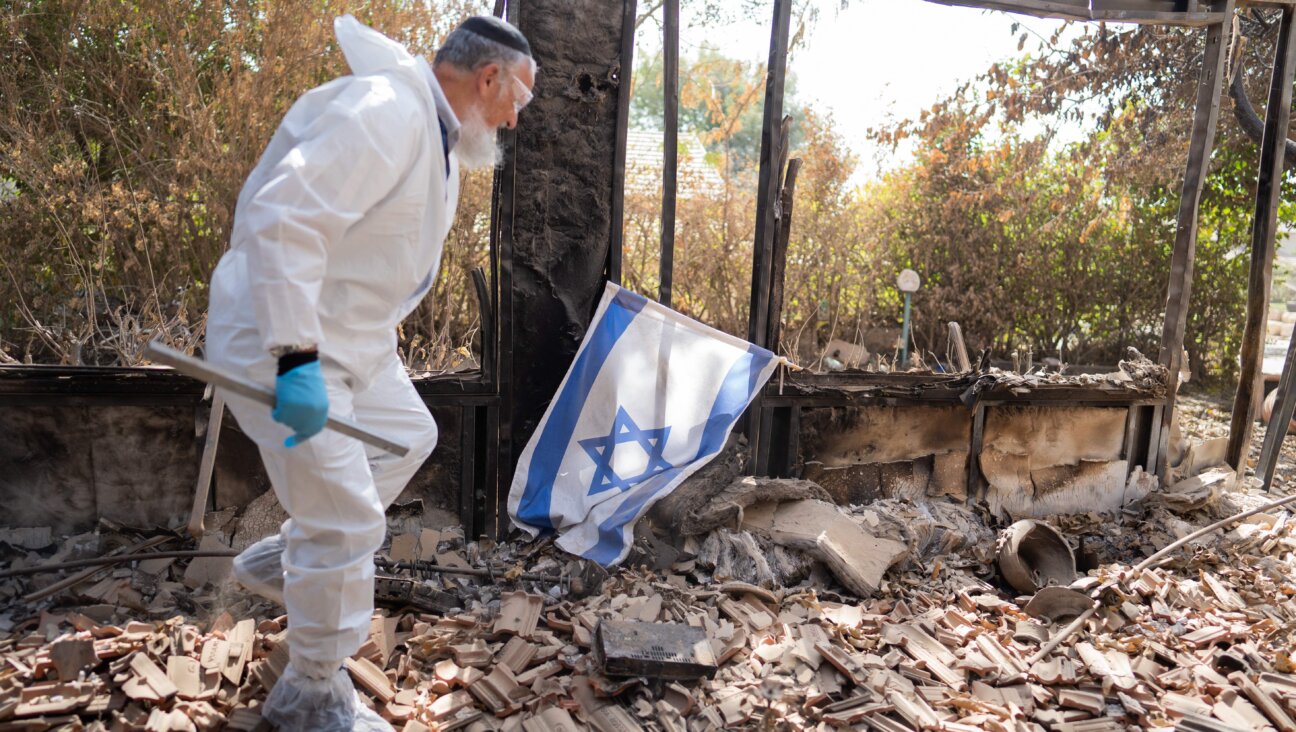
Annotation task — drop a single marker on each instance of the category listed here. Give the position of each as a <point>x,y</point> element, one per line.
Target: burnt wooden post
<point>495,420</point>
<point>559,208</point>
<point>1279,420</point>
<point>1205,118</point>
<point>767,187</point>
<point>767,195</point>
<point>778,263</point>
<point>976,490</point>
<point>670,146</point>
<point>1268,190</point>
<point>780,425</point>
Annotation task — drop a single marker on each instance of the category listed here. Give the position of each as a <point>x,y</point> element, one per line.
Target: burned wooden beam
<point>504,200</point>
<point>1205,119</point>
<point>767,189</point>
<point>565,188</point>
<point>767,200</point>
<point>1263,226</point>
<point>776,452</point>
<point>1148,12</point>
<point>1284,406</point>
<point>468,469</point>
<point>976,484</point>
<point>778,258</point>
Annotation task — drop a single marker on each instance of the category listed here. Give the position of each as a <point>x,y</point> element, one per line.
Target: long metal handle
<point>203,371</point>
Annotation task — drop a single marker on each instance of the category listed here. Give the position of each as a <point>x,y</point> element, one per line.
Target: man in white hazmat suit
<point>336,238</point>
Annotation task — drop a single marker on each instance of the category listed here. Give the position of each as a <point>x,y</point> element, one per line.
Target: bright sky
<point>877,58</point>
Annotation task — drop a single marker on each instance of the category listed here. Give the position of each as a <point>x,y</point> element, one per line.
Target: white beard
<point>477,147</point>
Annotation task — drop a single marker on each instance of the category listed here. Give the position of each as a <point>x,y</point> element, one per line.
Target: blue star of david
<point>624,429</point>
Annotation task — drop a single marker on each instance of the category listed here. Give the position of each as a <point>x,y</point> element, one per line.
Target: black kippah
<point>498,31</point>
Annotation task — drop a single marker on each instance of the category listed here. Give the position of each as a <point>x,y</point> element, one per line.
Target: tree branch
<point>1249,121</point>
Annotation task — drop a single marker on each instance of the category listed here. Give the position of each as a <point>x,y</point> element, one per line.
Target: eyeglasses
<point>523,98</point>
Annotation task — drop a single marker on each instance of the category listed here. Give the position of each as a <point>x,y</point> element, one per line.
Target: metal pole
<point>203,371</point>
<point>670,146</point>
<point>904,336</point>
<point>625,72</point>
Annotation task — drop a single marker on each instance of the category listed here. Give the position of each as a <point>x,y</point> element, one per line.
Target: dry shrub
<point>1029,248</point>
<point>711,279</point>
<point>127,128</point>
<point>126,131</point>
<point>1057,250</point>
<point>829,278</point>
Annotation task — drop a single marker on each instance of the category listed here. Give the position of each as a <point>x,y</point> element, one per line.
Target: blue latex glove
<point>301,402</point>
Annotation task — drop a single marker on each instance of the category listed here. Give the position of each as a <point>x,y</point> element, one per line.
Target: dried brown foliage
<point>1100,281</point>
<point>829,270</point>
<point>126,131</point>
<point>1032,244</point>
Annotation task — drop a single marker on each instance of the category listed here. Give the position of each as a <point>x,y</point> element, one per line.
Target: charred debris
<point>746,602</point>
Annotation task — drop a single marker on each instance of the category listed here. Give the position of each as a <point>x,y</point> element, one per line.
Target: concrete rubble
<point>788,613</point>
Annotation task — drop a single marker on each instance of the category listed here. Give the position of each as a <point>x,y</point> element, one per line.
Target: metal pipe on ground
<point>487,572</point>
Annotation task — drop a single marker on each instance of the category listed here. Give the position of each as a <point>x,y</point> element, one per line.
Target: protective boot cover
<point>301,703</point>
<point>367,720</point>
<point>259,568</point>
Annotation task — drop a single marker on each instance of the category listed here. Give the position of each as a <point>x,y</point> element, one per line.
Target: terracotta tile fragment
<point>519,613</point>
<point>371,678</point>
<point>72,655</point>
<point>517,654</point>
<point>552,719</point>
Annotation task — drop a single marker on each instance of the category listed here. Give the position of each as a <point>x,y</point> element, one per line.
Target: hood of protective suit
<point>367,51</point>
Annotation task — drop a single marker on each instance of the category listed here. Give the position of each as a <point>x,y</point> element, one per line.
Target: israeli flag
<point>650,398</point>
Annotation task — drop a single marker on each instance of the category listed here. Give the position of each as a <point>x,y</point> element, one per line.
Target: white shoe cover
<point>300,703</point>
<point>367,720</point>
<point>259,568</point>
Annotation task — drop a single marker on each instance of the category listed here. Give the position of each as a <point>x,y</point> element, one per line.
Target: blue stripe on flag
<point>735,394</point>
<point>733,398</point>
<point>533,508</point>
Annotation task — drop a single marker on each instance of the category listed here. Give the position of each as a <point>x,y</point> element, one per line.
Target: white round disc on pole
<point>908,281</point>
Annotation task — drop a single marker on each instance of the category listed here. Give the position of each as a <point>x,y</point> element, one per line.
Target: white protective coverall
<point>336,238</point>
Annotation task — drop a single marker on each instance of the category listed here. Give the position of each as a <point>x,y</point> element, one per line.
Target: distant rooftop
<point>644,165</point>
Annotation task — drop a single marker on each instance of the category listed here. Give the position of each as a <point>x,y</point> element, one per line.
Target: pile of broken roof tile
<point>1203,643</point>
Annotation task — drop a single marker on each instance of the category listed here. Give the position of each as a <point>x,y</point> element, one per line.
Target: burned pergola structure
<point>1149,413</point>
<point>551,261</point>
<point>127,444</point>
